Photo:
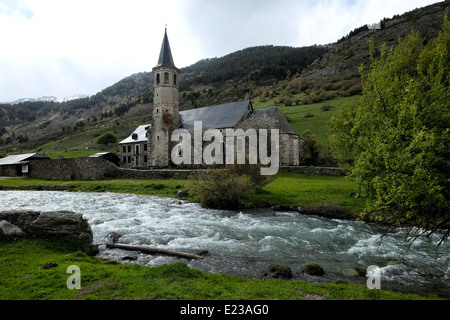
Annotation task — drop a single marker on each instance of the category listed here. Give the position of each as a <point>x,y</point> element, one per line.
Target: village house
<point>150,145</point>
<point>18,164</point>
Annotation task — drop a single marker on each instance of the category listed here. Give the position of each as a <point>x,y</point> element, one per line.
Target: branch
<point>147,249</point>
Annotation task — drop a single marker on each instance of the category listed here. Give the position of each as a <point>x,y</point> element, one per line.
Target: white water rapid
<point>246,243</point>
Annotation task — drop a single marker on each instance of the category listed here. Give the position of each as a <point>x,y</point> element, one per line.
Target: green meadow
<point>23,277</point>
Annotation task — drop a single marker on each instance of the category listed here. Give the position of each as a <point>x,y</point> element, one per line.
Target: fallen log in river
<point>147,249</point>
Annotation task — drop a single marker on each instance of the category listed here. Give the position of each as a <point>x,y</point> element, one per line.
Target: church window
<point>157,78</point>
<point>166,78</point>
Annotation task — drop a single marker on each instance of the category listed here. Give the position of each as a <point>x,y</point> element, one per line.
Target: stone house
<point>133,150</point>
<point>166,118</point>
<point>18,164</point>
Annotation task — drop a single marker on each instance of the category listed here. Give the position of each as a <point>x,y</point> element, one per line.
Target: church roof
<point>219,116</point>
<point>165,56</point>
<point>275,113</point>
<point>138,135</point>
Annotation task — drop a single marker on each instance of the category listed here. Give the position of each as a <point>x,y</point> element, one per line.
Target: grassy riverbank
<point>23,277</point>
<point>288,190</point>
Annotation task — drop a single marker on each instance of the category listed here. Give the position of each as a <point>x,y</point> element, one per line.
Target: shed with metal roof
<point>17,164</point>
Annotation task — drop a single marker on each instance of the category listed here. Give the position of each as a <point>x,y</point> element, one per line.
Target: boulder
<point>10,230</point>
<point>280,271</point>
<point>313,270</point>
<point>354,272</point>
<point>64,225</point>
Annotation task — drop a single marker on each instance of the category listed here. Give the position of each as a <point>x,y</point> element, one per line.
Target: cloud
<point>63,48</point>
<point>16,8</point>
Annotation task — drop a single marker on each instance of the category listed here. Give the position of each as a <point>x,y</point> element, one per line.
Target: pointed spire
<point>165,56</point>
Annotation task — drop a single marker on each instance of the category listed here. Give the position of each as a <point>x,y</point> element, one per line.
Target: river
<point>246,243</point>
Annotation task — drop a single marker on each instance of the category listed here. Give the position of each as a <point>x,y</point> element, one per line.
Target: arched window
<point>166,78</point>
<point>157,78</point>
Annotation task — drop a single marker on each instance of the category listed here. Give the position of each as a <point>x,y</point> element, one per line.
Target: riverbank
<point>266,289</point>
<point>328,196</point>
<point>36,269</point>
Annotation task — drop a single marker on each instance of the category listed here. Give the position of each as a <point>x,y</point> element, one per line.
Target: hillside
<point>299,80</point>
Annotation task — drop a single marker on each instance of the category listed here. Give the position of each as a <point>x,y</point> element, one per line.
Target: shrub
<point>326,107</point>
<point>221,189</point>
<point>107,137</point>
<point>253,171</point>
<point>311,147</point>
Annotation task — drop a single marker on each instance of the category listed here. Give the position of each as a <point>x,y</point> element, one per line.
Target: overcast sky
<point>67,47</point>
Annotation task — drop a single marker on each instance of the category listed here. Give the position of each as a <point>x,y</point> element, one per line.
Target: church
<point>150,145</point>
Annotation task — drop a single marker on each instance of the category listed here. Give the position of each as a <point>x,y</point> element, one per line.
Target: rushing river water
<point>246,243</point>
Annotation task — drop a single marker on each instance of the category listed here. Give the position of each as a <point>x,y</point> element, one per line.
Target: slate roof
<point>138,135</point>
<point>165,55</point>
<point>19,158</point>
<point>219,116</point>
<point>275,113</point>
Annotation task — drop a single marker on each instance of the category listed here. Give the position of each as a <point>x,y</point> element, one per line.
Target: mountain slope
<point>268,74</point>
<point>343,60</point>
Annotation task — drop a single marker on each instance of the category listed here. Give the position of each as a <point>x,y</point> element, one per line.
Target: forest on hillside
<point>256,63</point>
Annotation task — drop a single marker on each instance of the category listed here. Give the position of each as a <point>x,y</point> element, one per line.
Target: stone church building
<point>150,144</point>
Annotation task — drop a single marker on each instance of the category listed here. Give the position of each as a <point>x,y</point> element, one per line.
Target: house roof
<point>219,116</point>
<point>100,154</point>
<point>282,123</point>
<point>19,158</point>
<point>138,135</point>
<point>165,55</point>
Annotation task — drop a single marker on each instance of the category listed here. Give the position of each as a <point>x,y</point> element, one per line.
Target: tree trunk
<point>147,249</point>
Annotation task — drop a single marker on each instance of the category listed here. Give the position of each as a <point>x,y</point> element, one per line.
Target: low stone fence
<point>314,170</point>
<point>156,173</point>
<point>97,168</point>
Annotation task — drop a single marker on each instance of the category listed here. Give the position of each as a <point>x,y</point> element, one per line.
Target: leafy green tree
<point>107,137</point>
<point>398,135</point>
<point>311,147</point>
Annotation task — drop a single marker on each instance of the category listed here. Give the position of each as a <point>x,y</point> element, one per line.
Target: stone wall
<point>314,170</point>
<point>10,170</point>
<point>156,173</point>
<point>98,168</point>
<point>73,169</point>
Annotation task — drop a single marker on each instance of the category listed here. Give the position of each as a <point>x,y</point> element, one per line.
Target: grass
<point>307,190</point>
<point>22,277</point>
<point>296,115</point>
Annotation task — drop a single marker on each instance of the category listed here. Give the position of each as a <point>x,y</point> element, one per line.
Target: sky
<point>67,47</point>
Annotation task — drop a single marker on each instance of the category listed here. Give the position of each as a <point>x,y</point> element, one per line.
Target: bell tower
<point>166,116</point>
